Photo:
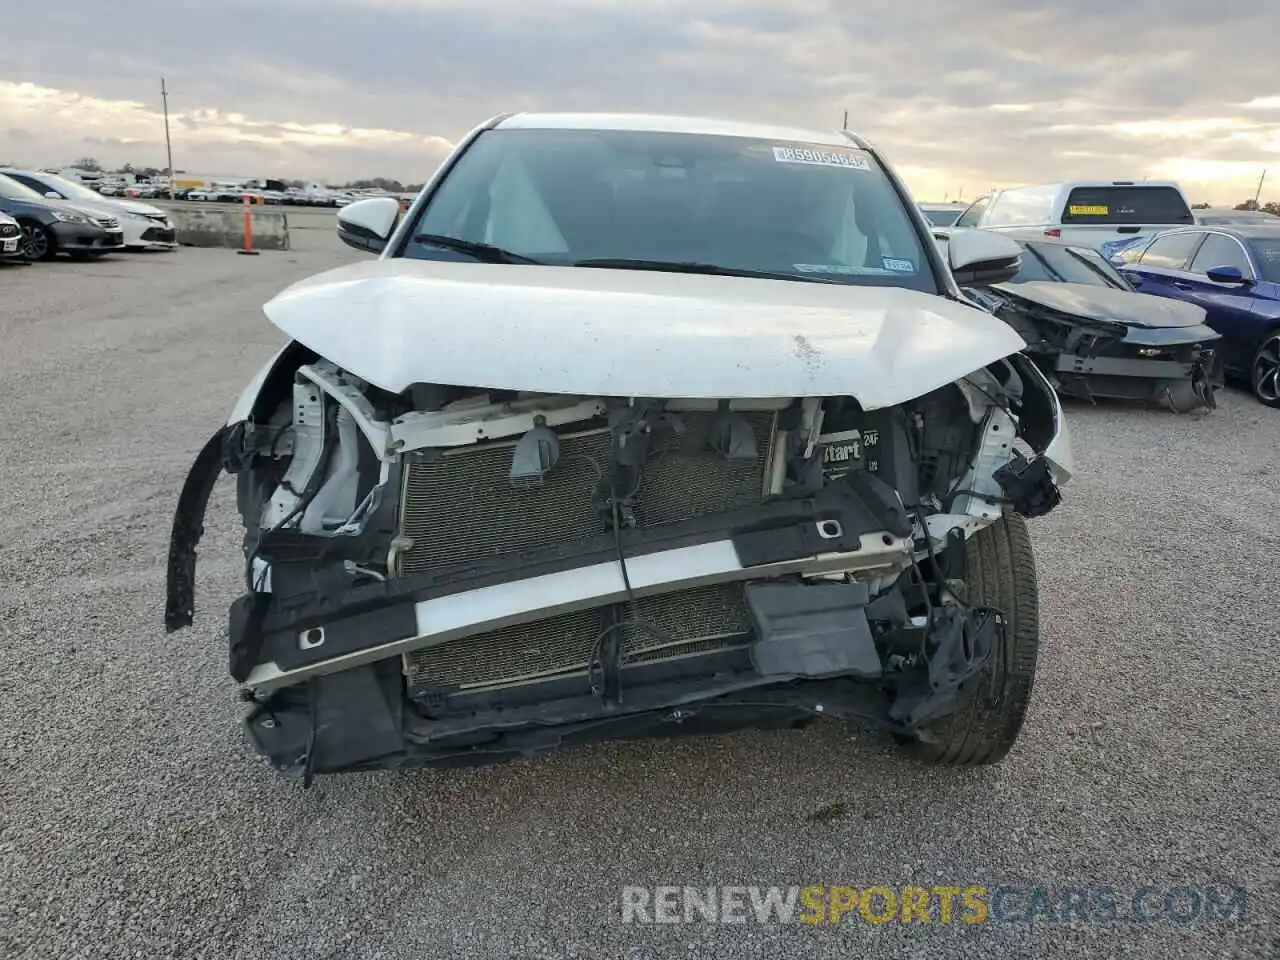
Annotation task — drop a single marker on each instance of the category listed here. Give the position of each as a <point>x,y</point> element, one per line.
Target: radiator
<point>458,506</point>
<point>693,621</point>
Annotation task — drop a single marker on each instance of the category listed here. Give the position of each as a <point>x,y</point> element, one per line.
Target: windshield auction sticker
<point>1088,210</point>
<point>853,159</point>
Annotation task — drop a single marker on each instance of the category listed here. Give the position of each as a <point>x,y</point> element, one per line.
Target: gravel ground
<point>137,822</point>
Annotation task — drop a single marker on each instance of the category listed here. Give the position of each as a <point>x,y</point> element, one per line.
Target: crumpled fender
<point>249,396</point>
<point>1044,425</point>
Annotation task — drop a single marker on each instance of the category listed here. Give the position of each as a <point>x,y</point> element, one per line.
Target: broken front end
<point>1089,356</point>
<point>454,575</point>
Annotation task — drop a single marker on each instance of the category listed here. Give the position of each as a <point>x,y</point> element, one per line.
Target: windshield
<point>1266,252</point>
<point>1063,264</point>
<point>11,189</point>
<point>796,210</point>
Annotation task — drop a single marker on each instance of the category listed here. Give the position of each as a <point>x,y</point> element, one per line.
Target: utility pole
<point>1258,193</point>
<point>845,126</point>
<point>168,144</point>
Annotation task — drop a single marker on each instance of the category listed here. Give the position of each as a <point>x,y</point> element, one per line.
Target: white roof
<point>661,123</point>
<point>1073,184</point>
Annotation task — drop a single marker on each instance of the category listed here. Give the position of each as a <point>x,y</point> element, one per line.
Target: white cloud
<point>117,131</point>
<point>958,95</point>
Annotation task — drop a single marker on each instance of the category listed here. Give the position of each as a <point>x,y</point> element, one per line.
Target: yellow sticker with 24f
<point>1088,210</point>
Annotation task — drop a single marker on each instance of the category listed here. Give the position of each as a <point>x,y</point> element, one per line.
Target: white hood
<point>133,206</point>
<point>592,332</point>
<point>112,207</point>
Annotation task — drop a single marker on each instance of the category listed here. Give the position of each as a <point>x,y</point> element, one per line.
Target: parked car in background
<point>11,247</point>
<point>1094,336</point>
<point>50,227</point>
<point>1107,215</point>
<point>145,227</point>
<point>745,456</point>
<point>1222,216</point>
<point>218,193</point>
<point>1233,272</point>
<point>942,214</point>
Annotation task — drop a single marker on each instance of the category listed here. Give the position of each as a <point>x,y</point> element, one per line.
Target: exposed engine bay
<point>451,561</point>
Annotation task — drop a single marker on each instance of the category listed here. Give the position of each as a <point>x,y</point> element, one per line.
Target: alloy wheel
<point>34,242</point>
<point>1266,372</point>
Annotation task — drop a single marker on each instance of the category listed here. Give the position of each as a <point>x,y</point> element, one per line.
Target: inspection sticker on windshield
<point>854,159</point>
<point>1088,210</point>
<point>897,266</point>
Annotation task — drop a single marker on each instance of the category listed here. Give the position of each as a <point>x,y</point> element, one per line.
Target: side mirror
<point>980,258</point>
<point>367,224</point>
<point>1226,275</point>
<point>53,195</point>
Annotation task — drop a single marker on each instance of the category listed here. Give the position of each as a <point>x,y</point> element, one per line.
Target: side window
<point>1170,252</point>
<point>35,185</point>
<point>971,216</point>
<point>1220,251</point>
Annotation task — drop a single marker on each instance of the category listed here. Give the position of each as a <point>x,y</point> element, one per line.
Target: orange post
<point>248,228</point>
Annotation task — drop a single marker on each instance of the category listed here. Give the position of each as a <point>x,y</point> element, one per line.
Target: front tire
<point>1000,572</point>
<point>38,241</point>
<point>1264,373</point>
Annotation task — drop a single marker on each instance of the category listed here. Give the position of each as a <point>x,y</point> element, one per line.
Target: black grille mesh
<point>459,506</point>
<point>693,621</point>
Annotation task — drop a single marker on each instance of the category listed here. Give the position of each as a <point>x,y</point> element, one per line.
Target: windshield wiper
<point>484,252</point>
<point>680,266</point>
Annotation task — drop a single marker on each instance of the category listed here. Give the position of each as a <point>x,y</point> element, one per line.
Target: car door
<point>1230,306</point>
<point>1160,269</point>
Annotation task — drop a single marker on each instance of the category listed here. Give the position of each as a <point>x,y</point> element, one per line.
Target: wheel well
<point>1270,330</point>
<point>26,220</point>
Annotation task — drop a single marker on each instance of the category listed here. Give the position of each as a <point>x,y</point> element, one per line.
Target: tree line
<point>91,165</point>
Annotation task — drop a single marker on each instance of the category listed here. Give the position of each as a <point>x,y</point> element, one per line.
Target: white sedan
<point>145,227</point>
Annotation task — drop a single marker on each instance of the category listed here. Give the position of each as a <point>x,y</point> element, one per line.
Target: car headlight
<point>130,215</point>
<point>69,217</point>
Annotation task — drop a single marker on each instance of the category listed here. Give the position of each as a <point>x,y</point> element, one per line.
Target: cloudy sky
<point>959,95</point>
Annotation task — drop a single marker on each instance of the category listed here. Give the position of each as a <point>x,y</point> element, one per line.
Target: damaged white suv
<point>636,425</point>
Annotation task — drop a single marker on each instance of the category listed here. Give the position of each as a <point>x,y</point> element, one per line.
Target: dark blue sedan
<point>1233,271</point>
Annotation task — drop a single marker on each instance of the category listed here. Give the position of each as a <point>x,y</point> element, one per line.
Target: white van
<point>1093,213</point>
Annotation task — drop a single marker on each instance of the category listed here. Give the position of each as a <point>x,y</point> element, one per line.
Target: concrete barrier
<point>225,228</point>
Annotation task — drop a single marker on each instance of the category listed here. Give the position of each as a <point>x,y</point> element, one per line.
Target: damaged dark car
<point>1094,336</point>
<point>635,426</point>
